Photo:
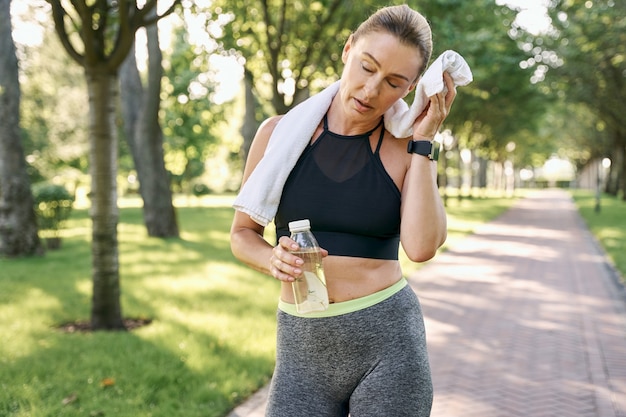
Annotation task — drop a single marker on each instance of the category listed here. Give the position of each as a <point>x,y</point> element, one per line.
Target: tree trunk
<point>611,180</point>
<point>140,111</point>
<point>250,123</point>
<point>18,223</point>
<point>621,177</point>
<point>617,172</point>
<point>106,309</point>
<point>131,101</point>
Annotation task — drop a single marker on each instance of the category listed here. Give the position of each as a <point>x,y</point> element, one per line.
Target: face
<point>378,71</point>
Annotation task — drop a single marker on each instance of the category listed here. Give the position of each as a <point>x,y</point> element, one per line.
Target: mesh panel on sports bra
<point>340,157</point>
<point>342,187</point>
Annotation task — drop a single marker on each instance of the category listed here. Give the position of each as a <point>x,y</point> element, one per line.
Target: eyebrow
<point>377,63</point>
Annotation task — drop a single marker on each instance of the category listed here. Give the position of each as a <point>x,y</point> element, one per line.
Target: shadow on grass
<point>210,343</point>
<point>125,374</point>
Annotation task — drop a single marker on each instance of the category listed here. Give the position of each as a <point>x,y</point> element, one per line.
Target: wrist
<point>419,136</point>
<point>428,148</point>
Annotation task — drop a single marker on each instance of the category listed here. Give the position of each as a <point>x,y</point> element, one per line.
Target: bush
<point>200,189</point>
<point>53,205</point>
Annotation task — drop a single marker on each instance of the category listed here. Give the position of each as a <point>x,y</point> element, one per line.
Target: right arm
<point>246,236</point>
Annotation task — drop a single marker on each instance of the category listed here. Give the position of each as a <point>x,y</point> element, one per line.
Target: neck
<point>341,123</point>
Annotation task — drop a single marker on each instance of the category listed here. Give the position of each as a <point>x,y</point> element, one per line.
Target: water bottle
<point>309,289</point>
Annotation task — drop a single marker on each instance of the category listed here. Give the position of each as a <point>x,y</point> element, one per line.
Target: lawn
<point>211,340</point>
<point>608,225</point>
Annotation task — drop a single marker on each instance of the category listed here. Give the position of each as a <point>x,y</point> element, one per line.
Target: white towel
<point>260,195</point>
<point>399,118</point>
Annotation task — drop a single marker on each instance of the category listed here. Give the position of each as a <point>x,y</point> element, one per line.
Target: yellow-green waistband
<point>345,307</point>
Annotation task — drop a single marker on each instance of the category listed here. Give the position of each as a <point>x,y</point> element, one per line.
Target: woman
<point>364,194</point>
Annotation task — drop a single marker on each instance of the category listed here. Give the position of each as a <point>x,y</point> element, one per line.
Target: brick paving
<point>524,318</point>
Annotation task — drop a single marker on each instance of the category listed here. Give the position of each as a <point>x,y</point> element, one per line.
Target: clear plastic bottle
<point>309,289</point>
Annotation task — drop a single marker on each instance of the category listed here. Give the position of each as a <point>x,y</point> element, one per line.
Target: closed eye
<point>399,79</point>
<point>365,67</point>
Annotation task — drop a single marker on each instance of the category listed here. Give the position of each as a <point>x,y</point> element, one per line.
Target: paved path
<point>524,318</point>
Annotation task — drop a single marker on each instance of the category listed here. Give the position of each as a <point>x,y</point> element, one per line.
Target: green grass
<point>210,345</point>
<point>608,225</point>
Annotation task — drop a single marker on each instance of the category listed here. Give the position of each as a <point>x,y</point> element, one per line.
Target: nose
<point>372,87</point>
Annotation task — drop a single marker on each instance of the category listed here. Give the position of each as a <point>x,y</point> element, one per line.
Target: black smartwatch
<point>427,148</point>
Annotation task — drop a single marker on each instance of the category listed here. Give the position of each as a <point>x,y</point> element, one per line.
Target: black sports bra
<point>342,187</point>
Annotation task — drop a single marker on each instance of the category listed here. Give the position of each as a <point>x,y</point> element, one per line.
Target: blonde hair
<point>406,24</point>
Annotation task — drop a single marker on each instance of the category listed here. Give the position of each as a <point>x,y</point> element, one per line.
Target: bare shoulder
<point>271,122</point>
<point>263,134</point>
<point>396,147</point>
<point>265,130</point>
<point>400,144</point>
<point>259,144</point>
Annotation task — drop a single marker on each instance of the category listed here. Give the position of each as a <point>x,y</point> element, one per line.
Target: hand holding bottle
<point>298,260</point>
<point>284,264</point>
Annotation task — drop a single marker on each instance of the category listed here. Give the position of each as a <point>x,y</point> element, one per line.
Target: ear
<point>346,49</point>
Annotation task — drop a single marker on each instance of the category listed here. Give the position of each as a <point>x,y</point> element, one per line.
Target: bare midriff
<point>348,278</point>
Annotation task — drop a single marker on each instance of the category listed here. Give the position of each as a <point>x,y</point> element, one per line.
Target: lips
<point>361,105</point>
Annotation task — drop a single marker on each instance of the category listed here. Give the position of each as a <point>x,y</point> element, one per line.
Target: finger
<point>277,270</point>
<point>438,108</point>
<point>281,276</point>
<point>287,243</point>
<point>284,265</point>
<point>451,87</point>
<point>283,252</point>
<point>441,102</point>
<point>449,82</point>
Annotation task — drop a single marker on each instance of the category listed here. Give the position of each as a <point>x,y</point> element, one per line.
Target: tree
<point>99,35</point>
<point>291,48</point>
<point>583,59</point>
<point>140,112</point>
<point>18,224</point>
<point>501,102</point>
<point>201,108</point>
<point>53,108</point>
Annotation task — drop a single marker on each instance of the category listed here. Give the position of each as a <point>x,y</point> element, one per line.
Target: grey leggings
<point>368,363</point>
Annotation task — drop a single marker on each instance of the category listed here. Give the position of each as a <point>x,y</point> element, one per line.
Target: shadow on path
<point>523,318</point>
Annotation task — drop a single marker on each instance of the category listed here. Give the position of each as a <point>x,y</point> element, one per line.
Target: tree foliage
<point>294,46</point>
<point>54,112</point>
<point>189,110</point>
<point>291,48</point>
<point>583,60</point>
<point>501,105</point>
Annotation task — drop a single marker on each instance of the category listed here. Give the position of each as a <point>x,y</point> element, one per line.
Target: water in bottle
<point>309,289</point>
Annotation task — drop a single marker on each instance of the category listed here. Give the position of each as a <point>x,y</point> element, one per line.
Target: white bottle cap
<point>299,225</point>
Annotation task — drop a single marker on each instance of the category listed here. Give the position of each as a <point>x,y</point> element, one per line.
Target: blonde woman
<point>364,194</point>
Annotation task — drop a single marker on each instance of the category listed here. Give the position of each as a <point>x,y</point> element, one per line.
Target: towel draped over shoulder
<point>260,195</point>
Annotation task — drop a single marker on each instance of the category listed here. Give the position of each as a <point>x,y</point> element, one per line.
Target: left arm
<point>424,226</point>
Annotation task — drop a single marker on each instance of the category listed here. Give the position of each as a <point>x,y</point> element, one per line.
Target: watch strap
<point>429,149</point>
